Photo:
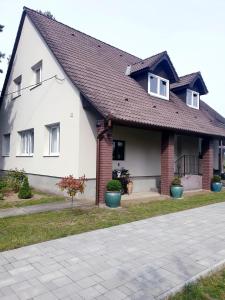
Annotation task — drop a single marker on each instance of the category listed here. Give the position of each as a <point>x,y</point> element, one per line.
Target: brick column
<point>207,163</point>
<point>167,162</point>
<point>104,161</point>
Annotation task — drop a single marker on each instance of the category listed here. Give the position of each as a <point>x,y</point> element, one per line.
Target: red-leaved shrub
<point>72,185</point>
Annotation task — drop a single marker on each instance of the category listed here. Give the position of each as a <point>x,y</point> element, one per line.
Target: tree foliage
<point>46,13</point>
<point>2,55</point>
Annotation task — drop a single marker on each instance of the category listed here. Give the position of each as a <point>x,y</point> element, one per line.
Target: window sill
<point>25,155</point>
<point>195,107</point>
<point>35,85</point>
<point>51,155</point>
<point>5,155</point>
<point>159,96</point>
<point>14,98</point>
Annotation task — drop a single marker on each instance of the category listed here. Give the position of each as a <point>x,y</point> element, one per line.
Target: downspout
<point>99,136</point>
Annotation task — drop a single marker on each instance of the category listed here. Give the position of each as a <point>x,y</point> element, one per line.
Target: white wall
<point>142,151</point>
<point>53,101</point>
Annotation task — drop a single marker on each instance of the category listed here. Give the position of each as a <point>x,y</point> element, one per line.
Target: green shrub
<point>114,185</point>
<point>3,183</point>
<point>176,181</point>
<point>15,179</point>
<point>25,190</point>
<point>216,178</point>
<point>1,196</point>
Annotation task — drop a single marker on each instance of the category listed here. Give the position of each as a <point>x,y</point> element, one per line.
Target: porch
<point>153,157</point>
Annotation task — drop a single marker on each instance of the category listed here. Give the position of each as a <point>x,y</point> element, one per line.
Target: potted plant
<point>216,184</point>
<point>176,188</point>
<point>113,193</point>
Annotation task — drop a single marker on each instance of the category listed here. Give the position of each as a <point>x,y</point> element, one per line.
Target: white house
<point>72,104</point>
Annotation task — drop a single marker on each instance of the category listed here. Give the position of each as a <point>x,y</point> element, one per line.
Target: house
<point>72,104</point>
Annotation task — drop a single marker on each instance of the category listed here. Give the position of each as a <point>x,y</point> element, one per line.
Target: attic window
<point>192,99</point>
<point>37,69</point>
<point>17,84</point>
<point>158,86</point>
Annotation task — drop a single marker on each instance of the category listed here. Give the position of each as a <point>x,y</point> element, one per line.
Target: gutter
<point>99,136</point>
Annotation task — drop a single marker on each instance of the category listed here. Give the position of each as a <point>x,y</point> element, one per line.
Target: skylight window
<point>192,99</point>
<point>158,86</point>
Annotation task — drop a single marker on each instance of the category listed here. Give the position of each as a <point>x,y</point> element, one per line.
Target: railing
<point>188,165</point>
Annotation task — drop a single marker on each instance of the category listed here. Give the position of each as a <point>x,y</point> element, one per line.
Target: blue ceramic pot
<point>216,186</point>
<point>113,199</point>
<point>176,191</point>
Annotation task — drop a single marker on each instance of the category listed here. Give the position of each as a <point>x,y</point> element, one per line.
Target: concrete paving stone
<point>139,260</point>
<point>10,297</point>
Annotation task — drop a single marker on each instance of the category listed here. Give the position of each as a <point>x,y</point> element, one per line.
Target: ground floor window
<point>27,142</point>
<point>54,139</point>
<point>6,145</point>
<point>118,150</point>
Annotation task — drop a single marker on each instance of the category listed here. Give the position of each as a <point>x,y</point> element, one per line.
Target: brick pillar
<point>167,162</point>
<point>207,163</point>
<point>104,161</point>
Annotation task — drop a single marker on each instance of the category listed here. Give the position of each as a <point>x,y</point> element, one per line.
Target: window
<point>192,99</point>
<point>54,139</point>
<point>6,145</point>
<point>17,87</point>
<point>37,69</point>
<point>27,142</point>
<point>158,86</point>
<point>118,150</point>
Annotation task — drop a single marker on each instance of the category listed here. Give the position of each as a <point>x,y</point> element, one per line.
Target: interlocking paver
<point>140,260</point>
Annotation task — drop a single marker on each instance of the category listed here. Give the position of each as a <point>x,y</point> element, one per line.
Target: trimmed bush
<point>176,181</point>
<point>25,190</point>
<point>114,185</point>
<point>1,196</point>
<point>216,178</point>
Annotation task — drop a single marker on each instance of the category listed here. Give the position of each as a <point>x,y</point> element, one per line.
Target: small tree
<point>25,190</point>
<point>2,55</point>
<point>72,185</point>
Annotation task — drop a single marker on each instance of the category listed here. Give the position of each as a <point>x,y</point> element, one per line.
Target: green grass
<point>209,288</point>
<point>21,203</point>
<point>24,230</point>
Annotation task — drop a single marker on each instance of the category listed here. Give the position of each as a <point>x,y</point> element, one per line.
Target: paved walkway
<point>141,260</point>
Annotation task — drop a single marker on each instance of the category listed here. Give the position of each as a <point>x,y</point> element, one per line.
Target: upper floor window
<point>158,86</point>
<point>6,145</point>
<point>37,69</point>
<point>192,99</point>
<point>17,87</point>
<point>27,142</point>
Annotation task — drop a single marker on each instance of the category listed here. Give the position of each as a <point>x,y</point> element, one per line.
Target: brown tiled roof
<point>146,63</point>
<point>98,70</point>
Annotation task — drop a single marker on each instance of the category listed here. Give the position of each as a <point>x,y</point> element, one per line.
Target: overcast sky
<point>192,31</point>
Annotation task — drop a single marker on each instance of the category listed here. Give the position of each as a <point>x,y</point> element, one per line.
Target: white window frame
<point>158,86</point>
<point>192,99</point>
<point>17,84</point>
<point>50,128</point>
<point>4,144</point>
<point>26,137</point>
<point>35,68</point>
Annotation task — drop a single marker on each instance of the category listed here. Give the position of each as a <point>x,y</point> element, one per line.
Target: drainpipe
<point>99,136</point>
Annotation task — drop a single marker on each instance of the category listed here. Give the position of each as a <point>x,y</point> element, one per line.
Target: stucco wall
<point>53,101</point>
<point>142,151</point>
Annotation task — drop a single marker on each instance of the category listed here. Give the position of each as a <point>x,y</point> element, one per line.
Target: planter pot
<point>176,191</point>
<point>113,199</point>
<point>130,188</point>
<point>216,186</point>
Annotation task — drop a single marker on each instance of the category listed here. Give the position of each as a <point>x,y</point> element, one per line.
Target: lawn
<point>208,288</point>
<point>24,230</point>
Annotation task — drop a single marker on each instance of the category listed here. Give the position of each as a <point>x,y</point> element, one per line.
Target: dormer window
<point>192,99</point>
<point>158,86</point>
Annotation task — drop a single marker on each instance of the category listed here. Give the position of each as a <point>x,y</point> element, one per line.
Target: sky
<point>192,32</point>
